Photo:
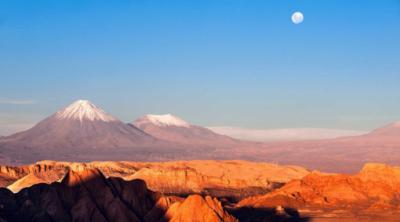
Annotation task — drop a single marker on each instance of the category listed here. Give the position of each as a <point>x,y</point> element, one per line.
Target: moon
<point>297,17</point>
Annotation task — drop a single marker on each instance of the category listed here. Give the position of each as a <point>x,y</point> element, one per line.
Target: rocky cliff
<point>87,195</point>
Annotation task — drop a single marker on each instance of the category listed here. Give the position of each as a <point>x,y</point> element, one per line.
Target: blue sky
<point>212,62</point>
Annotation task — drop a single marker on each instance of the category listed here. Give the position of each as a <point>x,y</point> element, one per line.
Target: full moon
<point>297,17</point>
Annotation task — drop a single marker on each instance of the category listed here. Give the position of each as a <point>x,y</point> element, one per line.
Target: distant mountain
<point>385,136</point>
<point>389,131</point>
<point>84,132</point>
<point>174,129</point>
<point>344,154</point>
<point>80,125</point>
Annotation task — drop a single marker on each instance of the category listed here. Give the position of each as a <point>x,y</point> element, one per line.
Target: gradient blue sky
<point>212,62</point>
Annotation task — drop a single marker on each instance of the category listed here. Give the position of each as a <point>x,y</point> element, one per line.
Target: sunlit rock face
<point>87,195</point>
<point>221,178</point>
<point>374,189</point>
<point>196,207</point>
<point>176,191</point>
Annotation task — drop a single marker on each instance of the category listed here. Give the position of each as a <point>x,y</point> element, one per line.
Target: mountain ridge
<point>174,129</point>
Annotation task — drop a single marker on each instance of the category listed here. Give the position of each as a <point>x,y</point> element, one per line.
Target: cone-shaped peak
<point>84,110</point>
<point>162,120</point>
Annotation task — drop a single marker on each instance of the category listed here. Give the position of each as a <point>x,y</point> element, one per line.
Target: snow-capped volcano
<point>80,125</point>
<point>174,129</point>
<point>84,110</point>
<point>162,120</point>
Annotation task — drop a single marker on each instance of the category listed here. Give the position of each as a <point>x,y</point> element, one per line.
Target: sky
<point>239,63</point>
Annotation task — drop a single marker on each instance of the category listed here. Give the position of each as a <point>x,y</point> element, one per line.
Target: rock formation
<point>198,209</point>
<point>218,178</point>
<point>88,196</point>
<point>117,191</point>
<point>373,190</point>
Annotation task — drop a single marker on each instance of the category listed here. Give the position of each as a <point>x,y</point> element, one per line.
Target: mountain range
<point>85,132</point>
<point>344,154</point>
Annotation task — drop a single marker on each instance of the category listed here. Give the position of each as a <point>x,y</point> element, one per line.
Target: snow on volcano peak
<point>84,110</point>
<point>163,120</point>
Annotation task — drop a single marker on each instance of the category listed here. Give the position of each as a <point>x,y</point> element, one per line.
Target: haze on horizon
<point>213,63</point>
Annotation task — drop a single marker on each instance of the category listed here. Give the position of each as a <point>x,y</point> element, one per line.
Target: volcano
<point>174,129</point>
<point>80,125</point>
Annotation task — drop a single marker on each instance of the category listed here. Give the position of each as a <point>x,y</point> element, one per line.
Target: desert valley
<point>199,111</point>
<point>135,172</point>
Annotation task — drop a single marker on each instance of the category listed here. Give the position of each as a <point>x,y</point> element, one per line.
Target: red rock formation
<point>35,173</point>
<point>198,208</point>
<point>181,177</point>
<point>376,187</point>
<point>87,195</point>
